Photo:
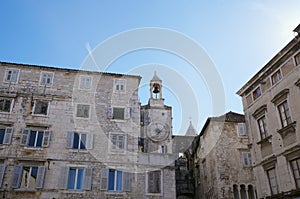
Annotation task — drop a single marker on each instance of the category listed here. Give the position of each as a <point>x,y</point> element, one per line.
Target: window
<point>83,111</point>
<point>163,149</point>
<point>276,77</point>
<point>80,141</point>
<point>119,113</point>
<point>28,177</point>
<point>246,159</point>
<point>273,181</point>
<point>5,135</point>
<point>6,105</point>
<point>241,128</point>
<point>85,82</point>
<point>154,182</point>
<point>119,85</point>
<point>295,164</point>
<point>115,180</point>
<point>76,178</point>
<point>284,114</point>
<point>256,93</point>
<point>297,59</point>
<point>46,78</point>
<point>117,142</point>
<point>11,75</point>
<point>35,138</point>
<point>40,108</point>
<point>262,126</point>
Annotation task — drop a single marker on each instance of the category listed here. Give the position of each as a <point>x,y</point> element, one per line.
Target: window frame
<point>26,135</point>
<point>161,182</point>
<point>270,182</point>
<point>296,178</point>
<point>240,132</point>
<point>276,77</point>
<point>10,106</point>
<point>246,158</point>
<point>263,134</point>
<point>119,83</point>
<point>6,74</point>
<point>7,135</point>
<point>89,139</point>
<point>35,105</point>
<point>82,86</point>
<point>111,144</point>
<point>86,181</point>
<point>256,94</point>
<point>41,78</point>
<point>286,109</point>
<point>89,111</point>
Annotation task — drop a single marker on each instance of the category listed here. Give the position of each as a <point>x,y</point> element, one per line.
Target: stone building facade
<point>221,161</point>
<point>272,111</point>
<point>77,134</point>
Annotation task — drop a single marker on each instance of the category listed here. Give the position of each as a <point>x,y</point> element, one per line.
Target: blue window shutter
<point>25,137</point>
<point>70,139</point>
<point>87,179</point>
<point>90,141</point>
<point>17,176</point>
<point>8,135</point>
<point>46,138</point>
<point>64,178</point>
<point>110,113</point>
<point>40,177</point>
<point>2,171</point>
<point>104,179</point>
<point>126,181</point>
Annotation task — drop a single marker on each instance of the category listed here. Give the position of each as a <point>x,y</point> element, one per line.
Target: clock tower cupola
<point>156,98</point>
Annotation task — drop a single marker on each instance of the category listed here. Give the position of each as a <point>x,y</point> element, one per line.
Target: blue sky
<point>238,36</point>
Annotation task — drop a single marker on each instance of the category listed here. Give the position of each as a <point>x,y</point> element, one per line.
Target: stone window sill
<point>290,128</point>
<point>266,139</point>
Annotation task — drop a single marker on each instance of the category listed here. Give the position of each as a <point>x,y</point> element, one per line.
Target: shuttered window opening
<point>115,180</point>
<point>80,141</point>
<point>154,182</point>
<point>35,138</point>
<point>28,177</point>
<point>76,178</point>
<point>6,135</point>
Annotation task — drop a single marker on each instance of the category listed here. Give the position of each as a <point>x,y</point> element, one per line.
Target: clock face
<point>158,131</point>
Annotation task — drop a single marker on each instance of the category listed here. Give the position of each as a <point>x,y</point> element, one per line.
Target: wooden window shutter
<point>40,177</point>
<point>17,176</point>
<point>70,139</point>
<point>63,184</point>
<point>110,113</point>
<point>126,181</point>
<point>25,137</point>
<point>2,171</point>
<point>87,179</point>
<point>104,179</point>
<point>8,135</point>
<point>90,141</point>
<point>46,138</point>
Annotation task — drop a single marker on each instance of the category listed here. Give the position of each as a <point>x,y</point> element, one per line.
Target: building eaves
<point>68,69</point>
<point>260,75</point>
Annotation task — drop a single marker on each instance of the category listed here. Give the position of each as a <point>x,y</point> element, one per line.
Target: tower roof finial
<point>155,77</point>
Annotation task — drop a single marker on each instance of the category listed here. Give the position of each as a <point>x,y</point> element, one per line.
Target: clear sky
<point>238,36</point>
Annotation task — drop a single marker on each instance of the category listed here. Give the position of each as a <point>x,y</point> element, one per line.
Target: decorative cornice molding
<point>280,96</point>
<point>260,111</point>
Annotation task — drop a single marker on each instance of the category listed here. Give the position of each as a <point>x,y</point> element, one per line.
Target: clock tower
<point>156,121</point>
